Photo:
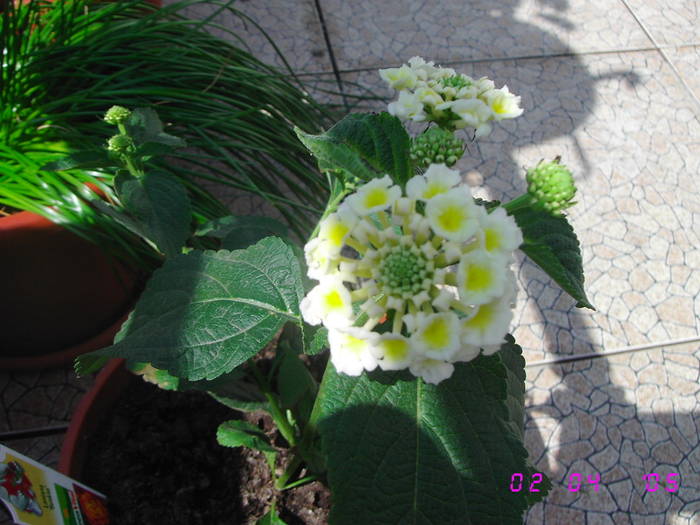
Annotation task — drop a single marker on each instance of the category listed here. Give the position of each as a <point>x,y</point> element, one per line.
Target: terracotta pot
<point>61,295</point>
<point>95,404</point>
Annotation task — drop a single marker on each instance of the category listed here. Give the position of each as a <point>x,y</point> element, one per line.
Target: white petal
<point>437,335</point>
<point>431,370</point>
<point>490,323</point>
<point>452,215</point>
<point>330,301</point>
<point>393,352</point>
<point>481,277</point>
<point>376,195</point>
<point>351,350</point>
<point>501,233</point>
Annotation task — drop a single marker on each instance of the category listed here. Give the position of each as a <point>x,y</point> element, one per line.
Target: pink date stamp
<point>652,482</point>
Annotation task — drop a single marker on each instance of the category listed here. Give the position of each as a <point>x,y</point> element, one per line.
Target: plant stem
<point>519,202</point>
<point>276,412</point>
<point>281,482</point>
<point>302,481</point>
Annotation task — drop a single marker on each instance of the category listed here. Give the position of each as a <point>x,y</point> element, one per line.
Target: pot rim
<point>65,356</point>
<point>95,404</point>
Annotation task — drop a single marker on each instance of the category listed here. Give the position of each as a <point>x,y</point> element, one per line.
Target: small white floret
<point>503,103</point>
<point>393,351</point>
<point>481,277</point>
<point>351,350</point>
<point>408,106</point>
<point>376,195</point>
<point>432,371</point>
<point>452,214</point>
<point>437,335</point>
<point>328,302</point>
<point>500,233</point>
<point>489,325</point>
<point>399,78</point>
<point>320,258</point>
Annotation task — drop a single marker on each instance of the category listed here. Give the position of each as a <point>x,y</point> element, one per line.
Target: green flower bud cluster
<point>455,81</point>
<point>551,186</point>
<point>117,115</point>
<point>404,271</point>
<point>436,146</point>
<point>121,144</point>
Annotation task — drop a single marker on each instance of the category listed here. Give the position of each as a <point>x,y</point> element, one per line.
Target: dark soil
<point>157,460</point>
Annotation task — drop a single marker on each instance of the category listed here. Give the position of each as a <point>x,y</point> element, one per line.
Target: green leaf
<point>380,139</point>
<point>552,244</point>
<point>149,150</point>
<point>144,126</point>
<point>319,340</point>
<point>160,204</point>
<point>238,402</point>
<point>296,386</point>
<point>271,518</point>
<point>81,160</point>
<point>402,451</point>
<point>237,433</point>
<point>511,356</point>
<point>240,232</point>
<point>205,313</point>
<point>364,145</point>
<point>332,155</point>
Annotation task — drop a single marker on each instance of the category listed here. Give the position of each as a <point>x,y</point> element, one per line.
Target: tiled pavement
<point>613,87</point>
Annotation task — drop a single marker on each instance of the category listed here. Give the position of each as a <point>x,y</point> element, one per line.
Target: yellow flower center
<point>482,319</point>
<point>395,349</point>
<point>478,277</point>
<point>437,333</point>
<point>333,300</point>
<point>499,105</point>
<point>375,197</point>
<point>354,345</point>
<point>434,189</point>
<point>492,239</point>
<point>451,218</point>
<point>337,232</point>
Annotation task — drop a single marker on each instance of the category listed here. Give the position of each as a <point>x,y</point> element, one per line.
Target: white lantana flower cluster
<point>453,100</point>
<point>416,280</point>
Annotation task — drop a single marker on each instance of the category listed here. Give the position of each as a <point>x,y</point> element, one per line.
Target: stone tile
<point>687,61</point>
<point>670,22</point>
<point>636,424</point>
<point>293,26</point>
<point>373,34</point>
<point>35,399</point>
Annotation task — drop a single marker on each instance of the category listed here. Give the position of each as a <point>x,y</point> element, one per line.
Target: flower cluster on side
<point>418,279</point>
<point>452,100</point>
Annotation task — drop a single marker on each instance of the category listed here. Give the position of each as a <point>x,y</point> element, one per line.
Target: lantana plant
<point>417,416</point>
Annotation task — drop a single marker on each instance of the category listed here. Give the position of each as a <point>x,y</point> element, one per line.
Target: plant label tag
<point>38,495</point>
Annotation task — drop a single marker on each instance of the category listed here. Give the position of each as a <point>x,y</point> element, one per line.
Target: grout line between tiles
<point>624,350</point>
<point>662,52</point>
<point>12,435</point>
<point>331,54</point>
<point>518,57</point>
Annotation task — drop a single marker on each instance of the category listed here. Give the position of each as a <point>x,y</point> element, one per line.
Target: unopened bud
<point>436,146</point>
<point>551,186</point>
<point>117,115</point>
<point>120,144</point>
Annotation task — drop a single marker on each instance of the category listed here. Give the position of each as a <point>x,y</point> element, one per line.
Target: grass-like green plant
<point>65,63</point>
